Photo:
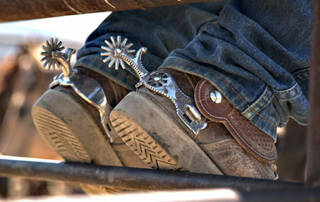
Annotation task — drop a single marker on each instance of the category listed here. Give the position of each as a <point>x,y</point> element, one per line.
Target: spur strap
<point>248,136</point>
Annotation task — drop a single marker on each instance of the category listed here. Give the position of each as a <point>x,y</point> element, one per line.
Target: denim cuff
<point>122,77</point>
<point>261,112</point>
<point>302,77</point>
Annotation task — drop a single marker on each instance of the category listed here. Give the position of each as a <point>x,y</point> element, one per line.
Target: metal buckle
<point>87,88</point>
<point>118,52</point>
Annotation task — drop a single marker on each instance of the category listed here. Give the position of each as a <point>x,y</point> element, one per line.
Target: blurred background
<point>22,81</point>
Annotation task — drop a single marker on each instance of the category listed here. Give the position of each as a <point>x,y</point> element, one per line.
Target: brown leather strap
<point>250,138</point>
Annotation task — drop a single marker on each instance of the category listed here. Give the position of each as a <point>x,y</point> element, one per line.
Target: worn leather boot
<point>73,127</point>
<point>148,122</point>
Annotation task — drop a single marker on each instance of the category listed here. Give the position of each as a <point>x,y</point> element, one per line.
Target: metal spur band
<point>118,52</point>
<point>87,88</point>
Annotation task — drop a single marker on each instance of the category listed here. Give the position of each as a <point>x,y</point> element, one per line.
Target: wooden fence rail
<point>14,10</point>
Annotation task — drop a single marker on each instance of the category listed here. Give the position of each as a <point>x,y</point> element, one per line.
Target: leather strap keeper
<point>249,137</point>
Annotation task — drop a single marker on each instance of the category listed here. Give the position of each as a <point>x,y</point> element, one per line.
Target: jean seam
<point>286,90</point>
<point>291,98</point>
<point>259,100</point>
<point>301,75</point>
<point>246,103</point>
<point>295,89</point>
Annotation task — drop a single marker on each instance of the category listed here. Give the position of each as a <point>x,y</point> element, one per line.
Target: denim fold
<point>256,52</point>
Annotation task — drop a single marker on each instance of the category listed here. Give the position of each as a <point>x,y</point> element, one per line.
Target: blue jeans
<point>256,52</point>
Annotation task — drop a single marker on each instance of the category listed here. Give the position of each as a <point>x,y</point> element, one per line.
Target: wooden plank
<point>14,10</point>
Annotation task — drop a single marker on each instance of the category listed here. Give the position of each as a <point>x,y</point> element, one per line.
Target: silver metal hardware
<point>159,82</point>
<point>216,96</point>
<point>87,88</point>
<point>54,59</point>
<point>194,112</point>
<point>114,50</point>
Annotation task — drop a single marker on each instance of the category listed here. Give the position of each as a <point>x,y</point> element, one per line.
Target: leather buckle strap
<point>248,136</point>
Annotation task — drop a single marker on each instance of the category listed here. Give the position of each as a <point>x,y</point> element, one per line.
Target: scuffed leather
<point>215,140</point>
<point>113,91</point>
<point>249,137</point>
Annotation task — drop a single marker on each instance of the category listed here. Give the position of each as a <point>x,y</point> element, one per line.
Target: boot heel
<point>73,133</point>
<point>157,138</point>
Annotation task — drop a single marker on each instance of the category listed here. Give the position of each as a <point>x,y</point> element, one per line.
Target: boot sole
<point>156,138</point>
<point>73,133</point>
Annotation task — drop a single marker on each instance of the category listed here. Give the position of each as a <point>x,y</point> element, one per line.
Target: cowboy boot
<point>72,116</point>
<point>162,126</point>
<point>148,123</point>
